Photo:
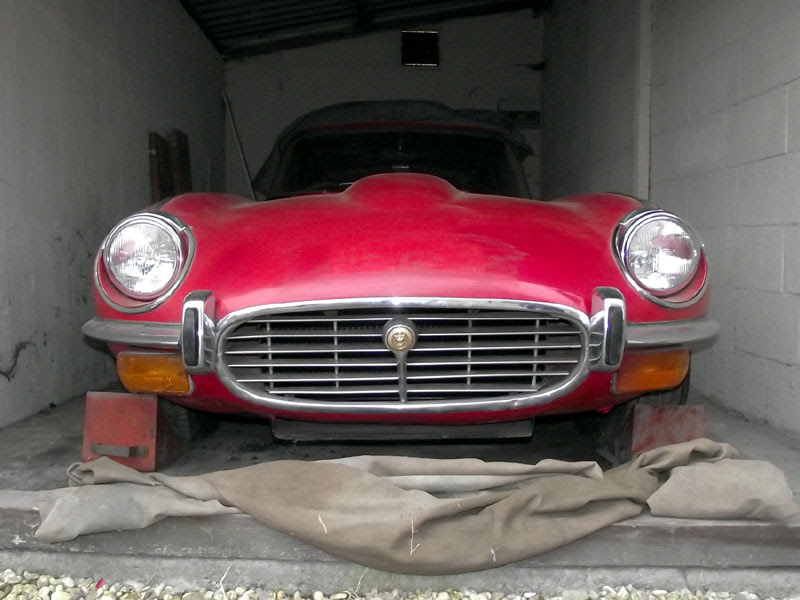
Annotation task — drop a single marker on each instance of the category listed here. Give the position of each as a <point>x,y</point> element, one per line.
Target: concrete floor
<point>645,551</point>
<point>38,451</point>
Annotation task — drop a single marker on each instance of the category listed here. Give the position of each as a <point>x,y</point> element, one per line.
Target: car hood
<point>400,235</point>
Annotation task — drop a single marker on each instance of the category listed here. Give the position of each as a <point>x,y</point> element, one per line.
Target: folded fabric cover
<point>428,516</point>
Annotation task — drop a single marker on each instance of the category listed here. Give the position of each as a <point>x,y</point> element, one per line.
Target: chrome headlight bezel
<point>688,291</point>
<point>125,300</point>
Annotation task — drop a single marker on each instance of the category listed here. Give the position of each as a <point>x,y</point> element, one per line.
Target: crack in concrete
<point>8,374</point>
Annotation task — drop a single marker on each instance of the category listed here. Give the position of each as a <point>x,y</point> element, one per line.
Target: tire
<point>187,424</point>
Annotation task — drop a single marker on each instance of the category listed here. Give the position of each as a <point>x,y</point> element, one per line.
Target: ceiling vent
<point>419,48</point>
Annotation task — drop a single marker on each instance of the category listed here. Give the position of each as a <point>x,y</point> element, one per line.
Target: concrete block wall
<point>591,105</point>
<point>81,84</point>
<point>483,60</point>
<point>725,154</point>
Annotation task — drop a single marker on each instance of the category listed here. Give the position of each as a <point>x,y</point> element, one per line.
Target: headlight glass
<point>143,256</point>
<point>661,253</point>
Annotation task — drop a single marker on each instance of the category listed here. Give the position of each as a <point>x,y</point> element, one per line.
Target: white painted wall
<point>726,155</point>
<point>81,84</point>
<point>483,60</point>
<point>595,97</point>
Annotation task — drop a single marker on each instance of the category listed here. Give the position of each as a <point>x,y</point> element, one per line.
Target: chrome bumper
<point>694,334</point>
<point>606,336</point>
<point>134,333</point>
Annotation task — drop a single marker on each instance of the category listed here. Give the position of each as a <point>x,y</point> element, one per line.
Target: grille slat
<point>305,333</point>
<point>345,377</point>
<point>385,315</point>
<point>448,332</point>
<point>460,354</point>
<point>391,390</point>
<point>314,363</point>
<point>391,363</point>
<point>421,347</point>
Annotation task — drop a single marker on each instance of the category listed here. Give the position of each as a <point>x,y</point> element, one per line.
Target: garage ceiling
<point>240,28</point>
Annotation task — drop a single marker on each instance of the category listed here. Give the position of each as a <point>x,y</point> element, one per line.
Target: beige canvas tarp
<point>428,516</point>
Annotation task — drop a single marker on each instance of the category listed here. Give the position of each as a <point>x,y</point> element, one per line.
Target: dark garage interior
<point>693,106</point>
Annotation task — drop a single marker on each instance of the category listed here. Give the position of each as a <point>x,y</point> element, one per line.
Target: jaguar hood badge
<point>400,335</point>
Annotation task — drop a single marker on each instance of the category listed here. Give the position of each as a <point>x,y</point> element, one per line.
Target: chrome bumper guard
<point>607,329</point>
<point>198,332</point>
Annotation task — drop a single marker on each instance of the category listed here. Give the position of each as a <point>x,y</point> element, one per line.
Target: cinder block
<point>746,388</point>
<point>670,194</point>
<point>770,53</point>
<point>782,396</point>
<point>768,191</point>
<point>736,19</point>
<point>721,373</point>
<point>723,308</point>
<point>793,116</point>
<point>698,36</point>
<point>718,245</point>
<point>756,128</point>
<point>701,145</point>
<point>791,259</point>
<point>758,256</point>
<point>767,325</point>
<point>664,156</point>
<point>711,198</point>
<point>737,376</point>
<point>670,103</point>
<point>702,372</point>
<point>714,82</point>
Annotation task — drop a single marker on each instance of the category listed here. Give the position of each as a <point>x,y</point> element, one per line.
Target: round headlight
<point>660,252</point>
<point>143,256</point>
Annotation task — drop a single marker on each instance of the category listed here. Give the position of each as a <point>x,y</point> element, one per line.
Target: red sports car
<point>394,269</point>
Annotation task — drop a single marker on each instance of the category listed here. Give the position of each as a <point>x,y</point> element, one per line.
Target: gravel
<point>26,585</point>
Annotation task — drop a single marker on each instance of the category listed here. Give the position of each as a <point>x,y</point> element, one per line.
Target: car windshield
<point>329,161</point>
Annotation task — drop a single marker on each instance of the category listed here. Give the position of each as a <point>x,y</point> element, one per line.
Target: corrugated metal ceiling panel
<point>240,28</point>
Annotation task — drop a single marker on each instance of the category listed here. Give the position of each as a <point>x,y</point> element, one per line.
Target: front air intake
<point>461,354</point>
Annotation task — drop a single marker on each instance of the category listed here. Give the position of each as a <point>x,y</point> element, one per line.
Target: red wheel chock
<point>128,428</point>
<point>651,426</point>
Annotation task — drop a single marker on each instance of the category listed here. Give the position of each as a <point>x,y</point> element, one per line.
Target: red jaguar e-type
<point>395,270</point>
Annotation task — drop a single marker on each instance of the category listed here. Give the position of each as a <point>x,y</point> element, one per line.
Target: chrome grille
<point>339,354</point>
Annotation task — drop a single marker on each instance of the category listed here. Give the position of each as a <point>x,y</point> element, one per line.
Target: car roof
<point>394,112</point>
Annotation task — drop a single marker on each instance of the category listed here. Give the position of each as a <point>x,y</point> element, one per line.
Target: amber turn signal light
<point>650,371</point>
<point>152,373</point>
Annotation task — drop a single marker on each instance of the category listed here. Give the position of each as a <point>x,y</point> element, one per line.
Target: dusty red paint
<point>403,235</point>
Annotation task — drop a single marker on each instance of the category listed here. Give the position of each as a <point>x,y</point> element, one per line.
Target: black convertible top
<point>391,111</point>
